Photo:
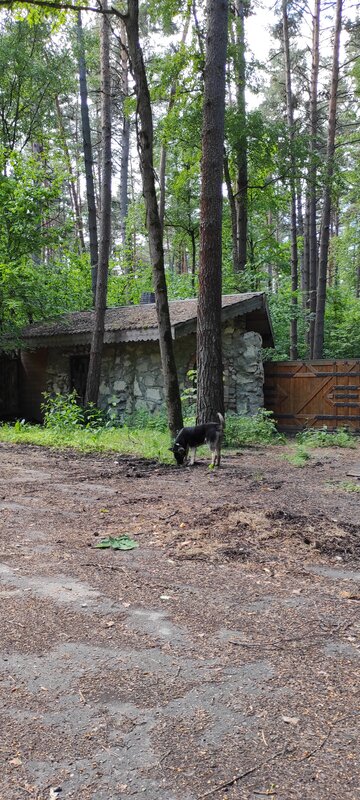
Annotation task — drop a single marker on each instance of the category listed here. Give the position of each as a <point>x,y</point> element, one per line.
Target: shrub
<point>321,437</point>
<point>63,412</point>
<point>299,457</point>
<point>259,429</point>
<point>143,419</point>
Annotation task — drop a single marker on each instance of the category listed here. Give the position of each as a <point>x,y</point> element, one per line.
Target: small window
<point>79,367</point>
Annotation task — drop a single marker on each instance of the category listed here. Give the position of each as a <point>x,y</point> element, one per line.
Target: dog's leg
<point>192,456</point>
<point>218,454</point>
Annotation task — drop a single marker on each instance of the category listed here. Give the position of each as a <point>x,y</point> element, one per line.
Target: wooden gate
<point>312,394</point>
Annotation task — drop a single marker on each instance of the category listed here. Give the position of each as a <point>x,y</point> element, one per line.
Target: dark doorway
<point>79,366</point>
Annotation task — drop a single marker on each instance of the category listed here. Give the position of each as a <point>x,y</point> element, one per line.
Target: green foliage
<point>321,437</point>
<point>62,412</point>
<point>117,543</point>
<point>298,458</point>
<point>350,486</point>
<point>30,288</point>
<point>28,197</point>
<point>144,420</point>
<point>189,394</point>
<point>258,429</point>
<point>151,444</point>
<point>342,324</point>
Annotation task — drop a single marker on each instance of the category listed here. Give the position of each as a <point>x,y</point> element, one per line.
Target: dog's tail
<point>222,421</point>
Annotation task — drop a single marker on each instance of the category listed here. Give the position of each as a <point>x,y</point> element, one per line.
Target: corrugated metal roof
<point>129,318</point>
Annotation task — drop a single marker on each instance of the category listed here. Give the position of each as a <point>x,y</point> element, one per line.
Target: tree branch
<point>58,6</point>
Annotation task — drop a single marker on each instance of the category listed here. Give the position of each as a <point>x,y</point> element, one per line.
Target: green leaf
<point>117,543</point>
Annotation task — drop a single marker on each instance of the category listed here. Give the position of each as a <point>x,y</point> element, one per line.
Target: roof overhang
<point>254,308</point>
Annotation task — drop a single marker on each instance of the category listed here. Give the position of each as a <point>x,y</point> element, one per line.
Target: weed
<point>145,443</point>
<point>68,424</point>
<point>259,429</point>
<point>350,486</point>
<point>321,437</point>
<point>298,458</point>
<point>144,420</point>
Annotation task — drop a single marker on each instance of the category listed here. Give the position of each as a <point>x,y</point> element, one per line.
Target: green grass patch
<point>150,444</point>
<point>298,458</point>
<point>91,430</point>
<point>321,437</point>
<point>258,429</point>
<point>350,486</point>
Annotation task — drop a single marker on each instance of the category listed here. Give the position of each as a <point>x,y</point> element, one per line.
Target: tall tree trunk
<point>125,139</point>
<point>233,214</point>
<point>305,260</point>
<point>88,157</point>
<point>163,152</point>
<point>313,242</point>
<point>293,225</point>
<point>93,380</point>
<point>145,145</point>
<point>72,179</point>
<point>241,150</point>
<point>210,398</point>
<point>327,199</point>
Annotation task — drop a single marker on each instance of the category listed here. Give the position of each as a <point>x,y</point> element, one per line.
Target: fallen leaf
<point>291,720</point>
<point>110,624</point>
<point>349,595</point>
<point>15,762</point>
<point>117,543</point>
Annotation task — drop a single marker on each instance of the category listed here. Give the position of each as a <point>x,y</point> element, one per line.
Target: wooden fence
<point>312,394</point>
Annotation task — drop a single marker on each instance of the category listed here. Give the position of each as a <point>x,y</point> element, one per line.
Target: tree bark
<point>233,214</point>
<point>88,157</point>
<point>241,151</point>
<point>313,242</point>
<point>93,379</point>
<point>125,140</point>
<point>210,399</point>
<point>72,180</point>
<point>145,146</point>
<point>327,200</point>
<point>293,222</point>
<point>163,152</point>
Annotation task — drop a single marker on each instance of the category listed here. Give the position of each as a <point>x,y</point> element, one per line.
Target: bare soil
<point>219,659</point>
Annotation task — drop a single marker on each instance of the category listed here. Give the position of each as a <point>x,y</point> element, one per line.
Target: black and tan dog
<point>210,433</point>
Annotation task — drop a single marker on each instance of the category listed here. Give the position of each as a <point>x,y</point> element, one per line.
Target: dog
<point>210,433</point>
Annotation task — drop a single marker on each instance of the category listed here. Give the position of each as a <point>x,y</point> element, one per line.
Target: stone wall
<point>131,372</point>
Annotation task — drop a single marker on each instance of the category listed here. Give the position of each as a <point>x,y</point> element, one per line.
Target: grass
<point>152,444</point>
<point>298,458</point>
<point>350,486</point>
<point>321,437</point>
<point>91,430</point>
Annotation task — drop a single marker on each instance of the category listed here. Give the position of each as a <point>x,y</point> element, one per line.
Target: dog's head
<point>179,452</point>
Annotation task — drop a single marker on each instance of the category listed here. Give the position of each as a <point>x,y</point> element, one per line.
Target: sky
<point>257,29</point>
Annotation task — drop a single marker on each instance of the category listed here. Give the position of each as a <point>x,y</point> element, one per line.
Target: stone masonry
<point>131,372</point>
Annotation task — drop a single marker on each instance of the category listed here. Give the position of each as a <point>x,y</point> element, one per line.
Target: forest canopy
<point>291,216</point>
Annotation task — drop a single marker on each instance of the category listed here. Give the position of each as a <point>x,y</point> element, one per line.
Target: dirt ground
<point>219,659</point>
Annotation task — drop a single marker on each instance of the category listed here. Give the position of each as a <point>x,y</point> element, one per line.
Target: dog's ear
<point>172,449</point>
<point>181,449</point>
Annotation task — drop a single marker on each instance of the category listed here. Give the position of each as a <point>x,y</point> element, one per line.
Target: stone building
<point>55,355</point>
